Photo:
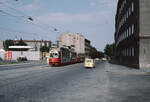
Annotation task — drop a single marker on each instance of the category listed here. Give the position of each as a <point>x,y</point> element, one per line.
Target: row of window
<point>126,15</point>
<point>122,6</point>
<point>128,51</point>
<point>130,31</point>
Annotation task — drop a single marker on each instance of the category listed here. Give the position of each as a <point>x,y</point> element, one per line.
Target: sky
<point>94,19</point>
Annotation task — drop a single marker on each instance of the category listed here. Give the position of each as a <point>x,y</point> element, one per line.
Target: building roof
<point>87,40</point>
<point>33,40</point>
<point>20,47</point>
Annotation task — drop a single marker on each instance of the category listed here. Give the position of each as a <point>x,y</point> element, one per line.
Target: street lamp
<point>30,18</point>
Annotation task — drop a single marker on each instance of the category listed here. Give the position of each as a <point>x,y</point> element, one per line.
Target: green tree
<point>109,50</point>
<point>44,49</point>
<point>95,54</point>
<point>8,43</point>
<point>21,43</point>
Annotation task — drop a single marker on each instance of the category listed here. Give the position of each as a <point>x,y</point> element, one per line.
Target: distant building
<point>35,44</point>
<point>132,35</point>
<point>87,46</point>
<point>1,44</point>
<point>77,40</point>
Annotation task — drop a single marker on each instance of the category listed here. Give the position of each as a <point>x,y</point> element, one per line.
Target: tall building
<point>77,40</point>
<point>132,33</point>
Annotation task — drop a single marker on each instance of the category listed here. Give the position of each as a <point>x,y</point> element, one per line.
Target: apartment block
<point>75,39</point>
<point>132,33</point>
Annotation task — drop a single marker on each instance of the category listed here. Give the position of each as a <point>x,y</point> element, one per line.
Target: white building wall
<point>1,44</point>
<point>30,55</point>
<point>69,39</point>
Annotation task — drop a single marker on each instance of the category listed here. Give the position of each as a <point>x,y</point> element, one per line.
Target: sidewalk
<point>119,69</point>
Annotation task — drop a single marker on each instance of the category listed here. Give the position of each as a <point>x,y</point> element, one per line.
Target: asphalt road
<point>19,66</point>
<point>72,83</point>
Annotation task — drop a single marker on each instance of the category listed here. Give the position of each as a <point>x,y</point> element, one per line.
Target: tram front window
<point>56,55</point>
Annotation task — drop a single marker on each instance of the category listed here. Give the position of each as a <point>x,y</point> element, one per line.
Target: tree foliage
<point>8,43</point>
<point>109,50</point>
<point>95,54</point>
<point>44,49</point>
<point>21,43</point>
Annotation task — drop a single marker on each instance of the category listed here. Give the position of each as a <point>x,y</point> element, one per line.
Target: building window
<point>132,7</point>
<point>124,35</point>
<point>127,33</point>
<point>129,11</point>
<point>127,52</point>
<point>132,28</point>
<point>132,51</point>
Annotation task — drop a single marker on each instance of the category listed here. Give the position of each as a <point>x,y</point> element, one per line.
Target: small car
<point>104,59</point>
<point>22,59</point>
<point>89,63</point>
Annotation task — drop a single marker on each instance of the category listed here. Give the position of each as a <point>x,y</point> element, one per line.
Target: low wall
<point>30,55</point>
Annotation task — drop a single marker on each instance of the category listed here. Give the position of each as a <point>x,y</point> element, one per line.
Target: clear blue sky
<point>93,18</point>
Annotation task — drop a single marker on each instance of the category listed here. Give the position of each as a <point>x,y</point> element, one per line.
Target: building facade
<point>87,47</point>
<point>1,44</point>
<point>77,40</point>
<point>36,44</point>
<point>132,33</point>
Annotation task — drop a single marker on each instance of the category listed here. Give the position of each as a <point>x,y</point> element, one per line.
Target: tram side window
<point>59,54</point>
<point>51,55</point>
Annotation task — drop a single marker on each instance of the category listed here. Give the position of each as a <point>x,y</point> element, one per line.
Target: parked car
<point>89,63</point>
<point>104,59</point>
<point>22,59</point>
<point>97,59</point>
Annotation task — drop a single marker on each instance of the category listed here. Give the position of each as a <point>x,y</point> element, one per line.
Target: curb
<point>110,69</point>
<point>13,64</point>
<point>130,73</point>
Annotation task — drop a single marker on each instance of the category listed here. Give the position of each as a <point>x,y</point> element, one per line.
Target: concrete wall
<point>144,18</point>
<point>144,55</point>
<point>144,43</point>
<point>2,54</point>
<point>1,44</point>
<point>30,55</point>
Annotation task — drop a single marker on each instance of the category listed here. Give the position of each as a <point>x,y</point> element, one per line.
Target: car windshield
<point>88,60</point>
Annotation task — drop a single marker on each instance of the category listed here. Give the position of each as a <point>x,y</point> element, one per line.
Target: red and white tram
<point>63,56</point>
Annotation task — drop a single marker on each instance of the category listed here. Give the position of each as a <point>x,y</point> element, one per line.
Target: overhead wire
<point>30,20</point>
<point>29,17</point>
<point>39,26</point>
<point>28,34</point>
